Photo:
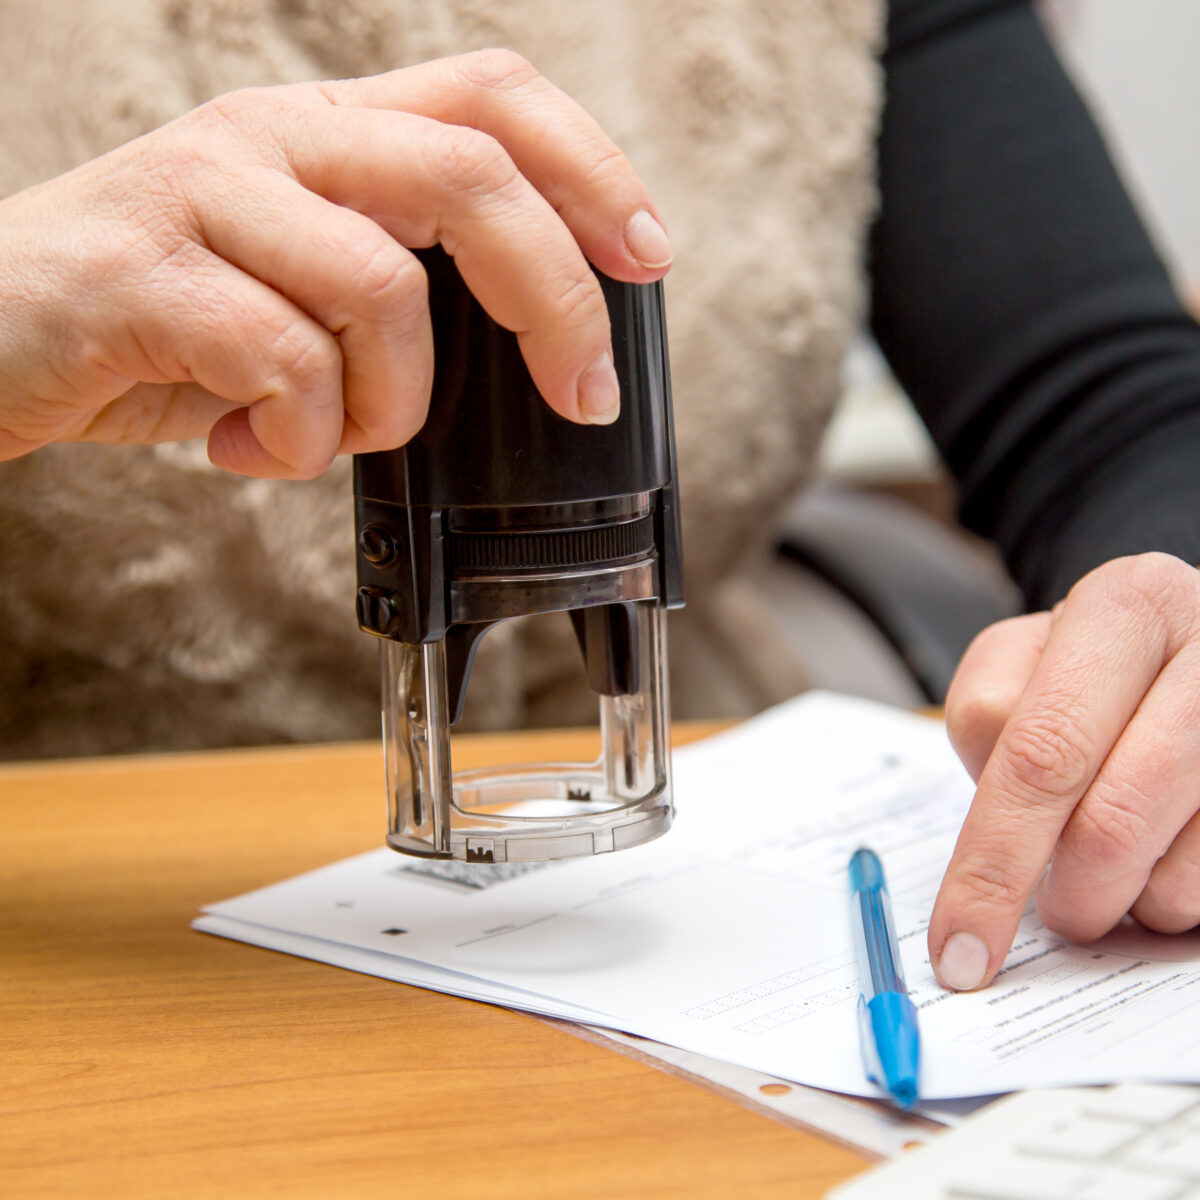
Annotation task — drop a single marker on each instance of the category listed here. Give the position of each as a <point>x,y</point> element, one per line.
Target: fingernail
<point>647,241</point>
<point>964,962</point>
<point>599,392</point>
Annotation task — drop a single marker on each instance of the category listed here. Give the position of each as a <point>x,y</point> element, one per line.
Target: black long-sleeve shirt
<point>1022,305</point>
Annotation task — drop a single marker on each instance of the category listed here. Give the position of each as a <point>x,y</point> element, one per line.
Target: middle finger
<point>555,143</point>
<point>1143,795</point>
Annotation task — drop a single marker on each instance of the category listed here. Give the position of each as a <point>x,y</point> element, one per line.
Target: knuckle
<point>580,302</point>
<point>306,360</point>
<point>161,179</point>
<point>1110,829</point>
<point>496,69</point>
<point>602,162</point>
<point>391,281</point>
<point>986,881</point>
<point>1154,587</point>
<point>972,713</point>
<point>261,117</point>
<point>1151,574</point>
<point>397,424</point>
<point>205,143</point>
<point>181,263</point>
<point>471,161</point>
<point>239,108</point>
<point>1047,756</point>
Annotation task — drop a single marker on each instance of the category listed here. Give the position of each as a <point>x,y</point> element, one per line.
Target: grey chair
<point>926,588</point>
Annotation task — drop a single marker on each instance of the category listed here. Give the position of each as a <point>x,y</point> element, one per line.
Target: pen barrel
<point>878,953</point>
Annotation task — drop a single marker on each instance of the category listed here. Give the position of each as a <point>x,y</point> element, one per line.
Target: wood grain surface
<point>140,1058</point>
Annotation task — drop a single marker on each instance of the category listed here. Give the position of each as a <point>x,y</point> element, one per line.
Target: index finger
<point>1101,658</point>
<point>426,182</point>
<point>555,144</point>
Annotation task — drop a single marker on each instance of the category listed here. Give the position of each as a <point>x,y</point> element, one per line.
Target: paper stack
<point>730,937</point>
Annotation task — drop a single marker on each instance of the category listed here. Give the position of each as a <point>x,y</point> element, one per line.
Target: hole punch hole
<point>393,932</point>
<point>774,1089</point>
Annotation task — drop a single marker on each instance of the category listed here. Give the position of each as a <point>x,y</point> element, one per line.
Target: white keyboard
<point>1126,1142</point>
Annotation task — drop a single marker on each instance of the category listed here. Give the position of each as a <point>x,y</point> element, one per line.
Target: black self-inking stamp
<point>500,508</point>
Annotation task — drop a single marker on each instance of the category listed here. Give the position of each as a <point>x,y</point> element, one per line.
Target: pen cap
<point>896,1044</point>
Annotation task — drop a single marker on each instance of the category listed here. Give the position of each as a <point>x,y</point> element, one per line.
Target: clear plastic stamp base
<point>525,813</point>
<point>539,813</point>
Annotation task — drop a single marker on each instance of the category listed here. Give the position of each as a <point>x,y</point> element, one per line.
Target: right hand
<point>241,273</point>
<point>1079,727</point>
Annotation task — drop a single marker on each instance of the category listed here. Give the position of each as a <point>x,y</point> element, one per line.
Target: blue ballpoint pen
<point>887,1019</point>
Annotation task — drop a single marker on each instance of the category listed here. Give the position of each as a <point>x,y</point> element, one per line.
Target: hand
<point>1080,728</point>
<point>242,272</point>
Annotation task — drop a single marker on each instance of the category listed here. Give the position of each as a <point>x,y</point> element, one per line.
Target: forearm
<point>1022,306</point>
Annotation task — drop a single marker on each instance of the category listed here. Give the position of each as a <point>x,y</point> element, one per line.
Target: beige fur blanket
<point>148,601</point>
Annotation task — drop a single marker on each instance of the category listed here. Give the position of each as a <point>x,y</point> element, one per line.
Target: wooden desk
<point>142,1059</point>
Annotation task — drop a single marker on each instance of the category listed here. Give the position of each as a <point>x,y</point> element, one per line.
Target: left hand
<point>1081,727</point>
<point>244,273</point>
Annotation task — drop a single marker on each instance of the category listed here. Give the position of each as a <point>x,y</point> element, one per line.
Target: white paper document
<point>731,937</point>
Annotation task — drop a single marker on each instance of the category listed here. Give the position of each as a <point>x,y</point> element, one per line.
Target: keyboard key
<point>1142,1102</point>
<point>1078,1137</point>
<point>1036,1146</point>
<point>1174,1150</point>
<point>1043,1180</point>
